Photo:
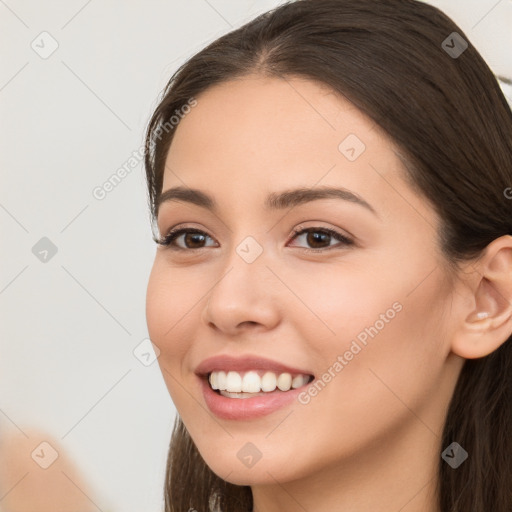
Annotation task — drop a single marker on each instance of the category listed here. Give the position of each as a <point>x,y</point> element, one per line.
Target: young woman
<point>332,290</point>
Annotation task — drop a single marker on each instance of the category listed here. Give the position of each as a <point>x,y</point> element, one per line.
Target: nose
<point>244,296</point>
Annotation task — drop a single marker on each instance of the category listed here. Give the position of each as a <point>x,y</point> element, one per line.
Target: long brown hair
<point>447,113</point>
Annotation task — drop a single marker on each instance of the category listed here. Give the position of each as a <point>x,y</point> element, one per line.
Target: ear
<point>486,316</point>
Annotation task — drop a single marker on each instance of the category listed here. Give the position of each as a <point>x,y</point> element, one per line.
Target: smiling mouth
<point>234,384</point>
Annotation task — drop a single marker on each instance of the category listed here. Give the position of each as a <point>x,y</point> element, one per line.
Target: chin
<point>232,467</point>
<point>249,476</point>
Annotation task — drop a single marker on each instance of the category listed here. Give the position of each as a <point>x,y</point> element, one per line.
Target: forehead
<point>254,135</point>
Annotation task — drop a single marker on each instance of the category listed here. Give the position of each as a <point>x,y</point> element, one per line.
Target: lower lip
<point>246,408</point>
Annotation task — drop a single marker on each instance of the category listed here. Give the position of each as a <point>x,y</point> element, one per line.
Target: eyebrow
<point>274,201</point>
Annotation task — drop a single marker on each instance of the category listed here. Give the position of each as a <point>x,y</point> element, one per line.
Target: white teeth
<point>298,381</point>
<point>213,380</point>
<point>221,380</point>
<point>253,382</point>
<point>284,381</point>
<point>234,382</point>
<point>268,382</point>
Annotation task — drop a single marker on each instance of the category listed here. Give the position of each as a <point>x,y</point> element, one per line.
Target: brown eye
<point>192,238</point>
<point>320,238</point>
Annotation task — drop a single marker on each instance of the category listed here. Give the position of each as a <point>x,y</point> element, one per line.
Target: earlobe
<point>487,324</point>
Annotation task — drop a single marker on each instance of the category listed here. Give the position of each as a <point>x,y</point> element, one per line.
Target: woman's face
<point>365,318</point>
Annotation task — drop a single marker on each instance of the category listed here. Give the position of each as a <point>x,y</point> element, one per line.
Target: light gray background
<point>69,326</point>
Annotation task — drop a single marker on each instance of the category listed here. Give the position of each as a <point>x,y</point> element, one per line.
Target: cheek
<point>166,321</point>
<point>158,298</point>
<point>169,303</point>
<point>377,338</point>
<point>400,365</point>
<point>335,304</point>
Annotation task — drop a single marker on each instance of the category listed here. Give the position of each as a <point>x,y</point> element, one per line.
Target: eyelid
<point>178,230</point>
<point>344,241</point>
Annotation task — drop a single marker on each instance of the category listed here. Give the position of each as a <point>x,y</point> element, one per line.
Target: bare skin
<point>371,438</point>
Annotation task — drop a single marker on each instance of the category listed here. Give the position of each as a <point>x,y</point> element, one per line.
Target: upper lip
<point>245,363</point>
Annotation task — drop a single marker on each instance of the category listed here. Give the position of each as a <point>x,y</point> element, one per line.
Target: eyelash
<point>175,233</point>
